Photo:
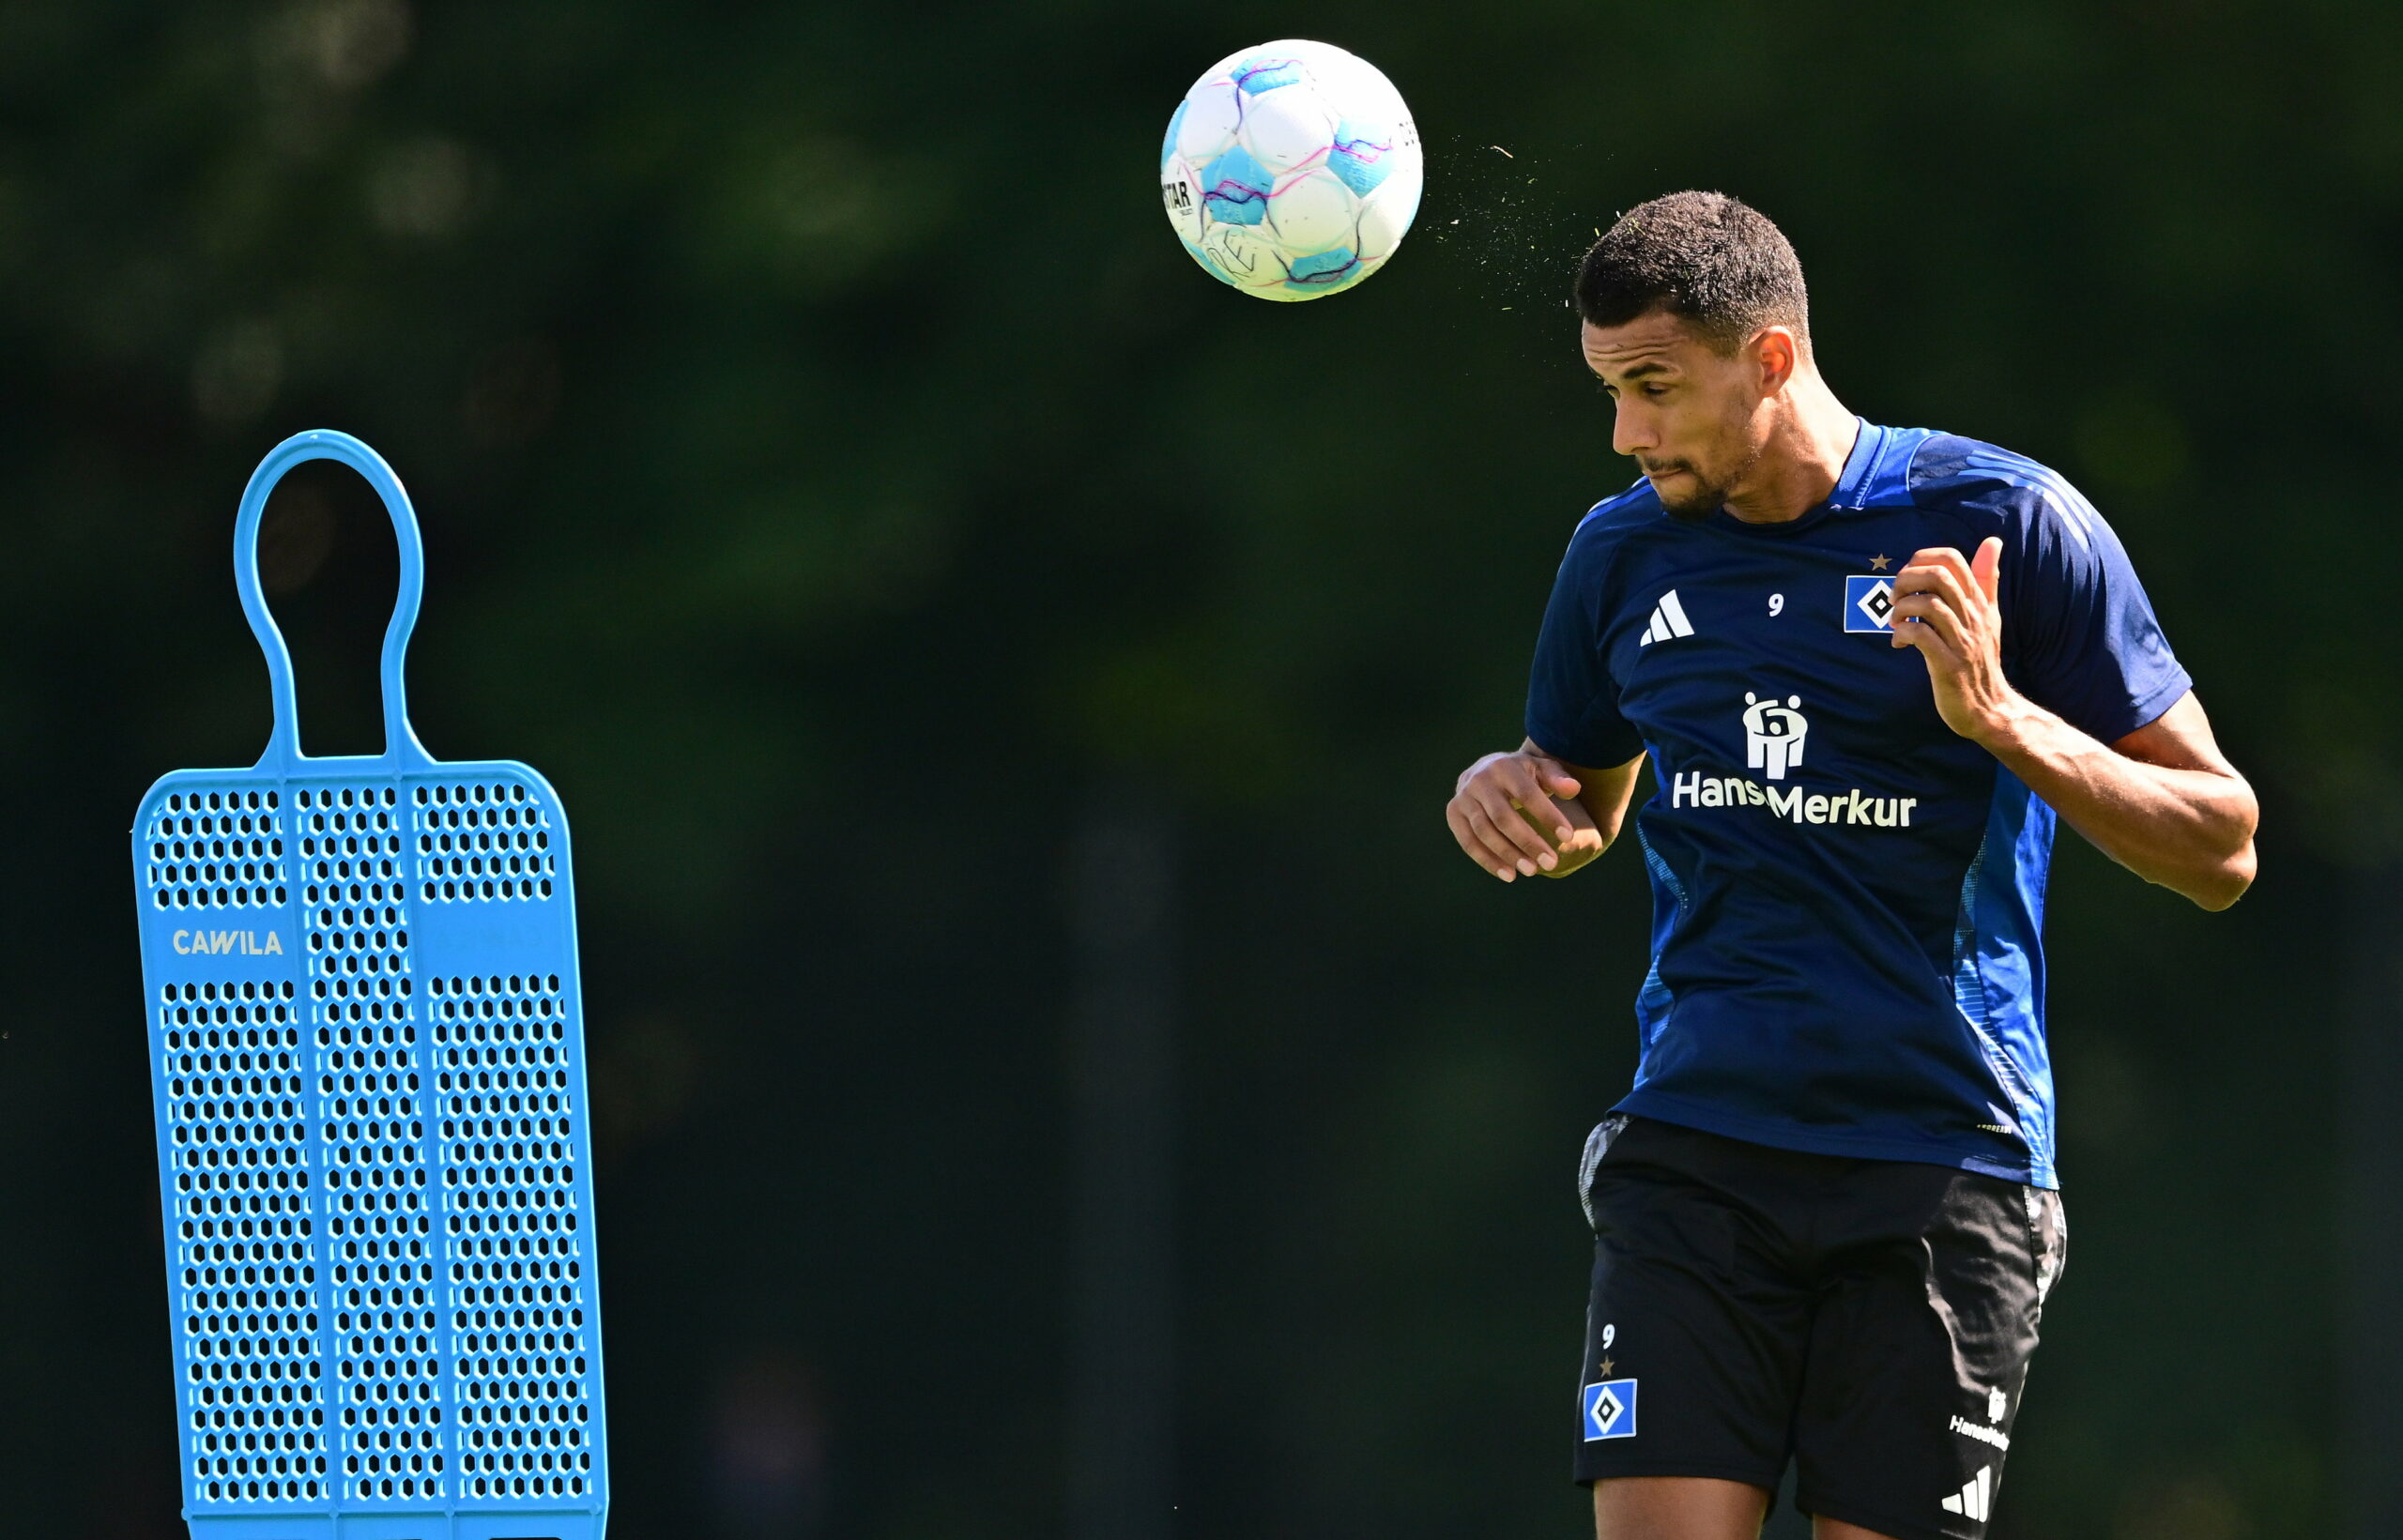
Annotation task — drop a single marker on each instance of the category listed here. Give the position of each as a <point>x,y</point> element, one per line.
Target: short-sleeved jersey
<point>1847,895</point>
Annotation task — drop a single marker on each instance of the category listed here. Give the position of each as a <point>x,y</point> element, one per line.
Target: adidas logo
<point>1668,620</point>
<point>1976,1499</point>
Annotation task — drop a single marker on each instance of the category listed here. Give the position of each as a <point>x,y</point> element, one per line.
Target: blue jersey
<point>1846,895</point>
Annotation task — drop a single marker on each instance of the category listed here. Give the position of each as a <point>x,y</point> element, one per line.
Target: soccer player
<point>1869,665</point>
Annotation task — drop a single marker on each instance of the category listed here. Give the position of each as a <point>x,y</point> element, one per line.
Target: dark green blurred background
<point>837,480</point>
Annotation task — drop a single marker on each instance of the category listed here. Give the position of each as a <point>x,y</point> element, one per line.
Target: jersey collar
<point>1852,487</point>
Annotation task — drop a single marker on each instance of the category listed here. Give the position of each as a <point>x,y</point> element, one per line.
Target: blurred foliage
<point>834,477</point>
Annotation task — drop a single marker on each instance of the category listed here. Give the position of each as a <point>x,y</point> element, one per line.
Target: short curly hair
<point>1713,260</point>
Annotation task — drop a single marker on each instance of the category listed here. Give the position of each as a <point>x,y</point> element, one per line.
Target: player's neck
<point>1811,436</point>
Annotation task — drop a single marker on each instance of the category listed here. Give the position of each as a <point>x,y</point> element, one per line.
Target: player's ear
<point>1778,355</point>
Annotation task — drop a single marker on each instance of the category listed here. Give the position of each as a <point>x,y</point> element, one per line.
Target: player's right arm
<point>1544,809</point>
<point>1528,813</point>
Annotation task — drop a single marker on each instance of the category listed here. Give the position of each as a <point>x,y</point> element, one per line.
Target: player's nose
<point>1632,431</point>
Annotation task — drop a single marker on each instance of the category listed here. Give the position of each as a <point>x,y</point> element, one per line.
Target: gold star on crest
<point>1879,563</point>
<point>1607,1365</point>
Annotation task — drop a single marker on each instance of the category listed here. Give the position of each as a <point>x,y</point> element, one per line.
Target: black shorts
<point>1870,1319</point>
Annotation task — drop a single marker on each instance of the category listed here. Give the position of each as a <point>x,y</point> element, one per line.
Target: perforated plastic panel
<point>375,1159</point>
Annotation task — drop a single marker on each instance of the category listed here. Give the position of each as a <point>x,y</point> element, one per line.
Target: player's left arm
<point>2163,802</point>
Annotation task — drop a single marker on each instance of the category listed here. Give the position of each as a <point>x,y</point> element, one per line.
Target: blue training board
<point>366,1043</point>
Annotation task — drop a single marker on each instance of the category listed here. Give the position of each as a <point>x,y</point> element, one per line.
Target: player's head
<point>1695,319</point>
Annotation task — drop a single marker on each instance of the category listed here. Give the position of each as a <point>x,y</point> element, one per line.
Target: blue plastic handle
<point>401,747</point>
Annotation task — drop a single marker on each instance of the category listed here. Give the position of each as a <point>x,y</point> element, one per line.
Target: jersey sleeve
<point>2089,647</point>
<point>1572,701</point>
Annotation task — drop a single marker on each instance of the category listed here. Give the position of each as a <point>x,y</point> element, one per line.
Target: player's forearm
<point>2187,828</point>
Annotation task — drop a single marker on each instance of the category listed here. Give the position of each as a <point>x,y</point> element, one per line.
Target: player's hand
<point>1498,804</point>
<point>1959,634</point>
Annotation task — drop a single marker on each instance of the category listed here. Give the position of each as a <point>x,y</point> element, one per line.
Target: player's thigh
<point>1677,1508</point>
<point>1836,1529</point>
<point>1697,1326</point>
<point>1920,1350</point>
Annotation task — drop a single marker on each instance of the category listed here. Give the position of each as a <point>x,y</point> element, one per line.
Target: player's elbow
<point>2225,881</point>
<point>2222,886</point>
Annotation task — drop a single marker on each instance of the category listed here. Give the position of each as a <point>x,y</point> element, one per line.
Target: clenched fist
<point>1516,814</point>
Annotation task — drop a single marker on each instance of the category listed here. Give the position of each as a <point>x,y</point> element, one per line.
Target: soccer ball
<point>1291,170</point>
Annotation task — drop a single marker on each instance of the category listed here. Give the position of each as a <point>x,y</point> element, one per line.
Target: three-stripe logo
<point>1976,1499</point>
<point>1668,620</point>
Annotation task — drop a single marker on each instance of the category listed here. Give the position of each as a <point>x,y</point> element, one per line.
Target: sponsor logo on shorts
<point>1976,1499</point>
<point>1997,1404</point>
<point>1979,1431</point>
<point>1610,1409</point>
